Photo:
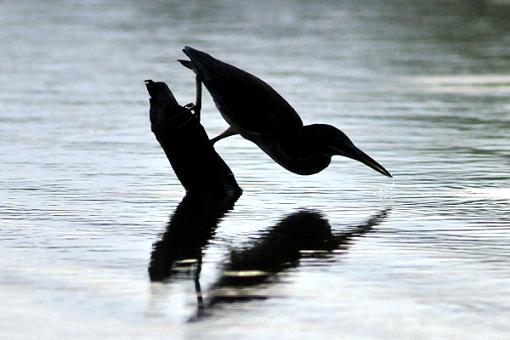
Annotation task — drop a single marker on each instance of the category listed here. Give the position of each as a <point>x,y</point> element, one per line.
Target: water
<point>85,190</point>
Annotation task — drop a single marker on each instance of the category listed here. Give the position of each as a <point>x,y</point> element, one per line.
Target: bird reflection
<point>248,271</point>
<point>304,233</point>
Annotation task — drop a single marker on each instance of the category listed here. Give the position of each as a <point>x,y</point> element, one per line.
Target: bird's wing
<point>245,101</point>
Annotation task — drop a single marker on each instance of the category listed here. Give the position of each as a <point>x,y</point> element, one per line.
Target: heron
<point>254,110</point>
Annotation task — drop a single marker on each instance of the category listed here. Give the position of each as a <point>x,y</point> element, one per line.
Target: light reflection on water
<point>85,190</point>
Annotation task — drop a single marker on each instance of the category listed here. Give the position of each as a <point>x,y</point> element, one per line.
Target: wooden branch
<point>186,144</point>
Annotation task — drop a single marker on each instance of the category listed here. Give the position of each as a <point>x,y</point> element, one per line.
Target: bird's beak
<point>354,153</point>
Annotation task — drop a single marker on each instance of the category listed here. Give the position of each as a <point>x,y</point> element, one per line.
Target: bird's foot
<point>194,109</point>
<point>190,106</point>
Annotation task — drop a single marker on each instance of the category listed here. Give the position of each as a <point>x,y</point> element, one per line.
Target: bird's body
<point>258,113</point>
<point>246,102</point>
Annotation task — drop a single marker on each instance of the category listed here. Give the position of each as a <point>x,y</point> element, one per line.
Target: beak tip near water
<point>388,174</point>
<point>362,157</point>
<point>380,169</point>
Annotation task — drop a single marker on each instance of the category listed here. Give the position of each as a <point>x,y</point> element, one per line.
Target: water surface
<point>85,190</point>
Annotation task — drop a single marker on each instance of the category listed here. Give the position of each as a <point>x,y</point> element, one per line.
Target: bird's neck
<point>301,153</point>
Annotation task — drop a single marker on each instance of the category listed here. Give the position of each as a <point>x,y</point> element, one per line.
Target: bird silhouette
<point>258,113</point>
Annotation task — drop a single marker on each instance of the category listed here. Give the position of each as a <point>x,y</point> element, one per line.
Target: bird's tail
<point>203,64</point>
<point>199,60</point>
<point>186,63</point>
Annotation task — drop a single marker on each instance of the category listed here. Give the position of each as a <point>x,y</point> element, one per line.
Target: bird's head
<point>331,141</point>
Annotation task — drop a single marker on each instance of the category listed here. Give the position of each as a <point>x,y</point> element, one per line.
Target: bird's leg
<point>227,133</point>
<point>198,97</point>
<point>197,106</point>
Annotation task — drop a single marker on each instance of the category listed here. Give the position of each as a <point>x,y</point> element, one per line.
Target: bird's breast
<point>291,156</point>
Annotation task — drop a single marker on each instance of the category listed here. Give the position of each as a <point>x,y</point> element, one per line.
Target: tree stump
<point>186,144</point>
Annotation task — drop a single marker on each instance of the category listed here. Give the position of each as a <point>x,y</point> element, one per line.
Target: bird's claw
<point>190,106</point>
<point>194,109</point>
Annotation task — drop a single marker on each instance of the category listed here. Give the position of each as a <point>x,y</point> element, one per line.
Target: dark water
<point>85,190</point>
